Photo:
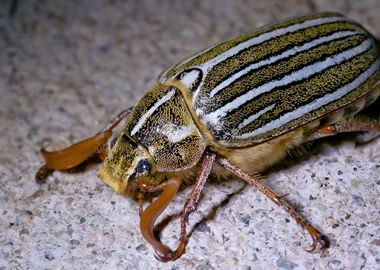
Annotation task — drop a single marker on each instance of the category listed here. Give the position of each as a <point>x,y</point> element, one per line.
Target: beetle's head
<point>126,162</point>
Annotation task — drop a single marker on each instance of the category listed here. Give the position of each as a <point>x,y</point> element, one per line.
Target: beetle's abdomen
<point>264,84</point>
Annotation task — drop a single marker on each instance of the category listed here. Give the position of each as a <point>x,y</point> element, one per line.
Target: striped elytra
<point>261,85</point>
<point>235,109</point>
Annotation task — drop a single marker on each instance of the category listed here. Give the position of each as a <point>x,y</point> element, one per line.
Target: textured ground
<point>67,66</point>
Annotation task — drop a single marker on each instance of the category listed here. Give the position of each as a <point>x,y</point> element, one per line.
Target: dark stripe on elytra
<point>294,33</point>
<point>264,121</point>
<point>376,74</point>
<point>286,48</point>
<point>276,77</point>
<point>233,117</point>
<point>222,135</point>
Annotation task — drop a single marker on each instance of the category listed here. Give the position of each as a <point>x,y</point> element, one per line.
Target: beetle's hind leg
<point>319,240</point>
<point>77,153</point>
<point>356,124</point>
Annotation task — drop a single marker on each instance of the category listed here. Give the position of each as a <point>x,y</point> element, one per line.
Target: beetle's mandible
<point>235,109</point>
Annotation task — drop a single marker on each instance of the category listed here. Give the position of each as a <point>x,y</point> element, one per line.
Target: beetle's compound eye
<point>143,167</point>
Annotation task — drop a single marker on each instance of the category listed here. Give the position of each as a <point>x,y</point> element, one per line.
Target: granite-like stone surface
<point>67,66</point>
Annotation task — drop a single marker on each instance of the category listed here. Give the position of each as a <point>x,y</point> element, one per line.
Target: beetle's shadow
<point>211,213</point>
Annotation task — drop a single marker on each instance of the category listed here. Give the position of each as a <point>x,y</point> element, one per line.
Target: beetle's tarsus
<point>42,174</point>
<point>320,242</point>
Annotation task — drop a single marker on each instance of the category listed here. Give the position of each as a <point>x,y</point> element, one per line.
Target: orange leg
<point>337,128</point>
<point>149,216</point>
<point>153,211</point>
<point>317,237</point>
<point>140,201</point>
<point>77,153</point>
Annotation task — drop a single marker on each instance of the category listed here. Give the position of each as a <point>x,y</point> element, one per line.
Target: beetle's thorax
<point>162,123</point>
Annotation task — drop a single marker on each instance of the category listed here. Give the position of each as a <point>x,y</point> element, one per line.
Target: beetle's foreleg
<point>144,187</point>
<point>317,237</point>
<point>140,200</point>
<point>77,153</point>
<point>149,215</point>
<point>350,126</point>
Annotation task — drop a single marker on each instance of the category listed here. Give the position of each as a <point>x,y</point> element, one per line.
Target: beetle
<point>233,110</point>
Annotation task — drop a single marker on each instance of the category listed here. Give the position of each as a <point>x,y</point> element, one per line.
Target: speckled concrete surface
<point>67,66</point>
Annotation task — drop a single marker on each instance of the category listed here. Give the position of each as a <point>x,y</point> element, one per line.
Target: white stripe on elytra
<point>206,66</point>
<point>253,117</point>
<point>145,116</point>
<point>314,105</point>
<point>278,57</point>
<point>213,118</point>
<point>264,37</point>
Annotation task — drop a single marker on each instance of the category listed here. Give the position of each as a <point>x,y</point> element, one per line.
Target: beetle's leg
<point>144,187</point>
<point>140,201</point>
<point>317,237</point>
<point>42,173</point>
<point>151,213</point>
<point>350,126</point>
<point>190,206</point>
<point>77,153</point>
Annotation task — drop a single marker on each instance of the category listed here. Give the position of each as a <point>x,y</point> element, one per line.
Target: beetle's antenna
<point>116,120</point>
<point>77,153</point>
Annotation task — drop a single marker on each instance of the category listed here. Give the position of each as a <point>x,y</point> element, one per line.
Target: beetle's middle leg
<point>318,239</point>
